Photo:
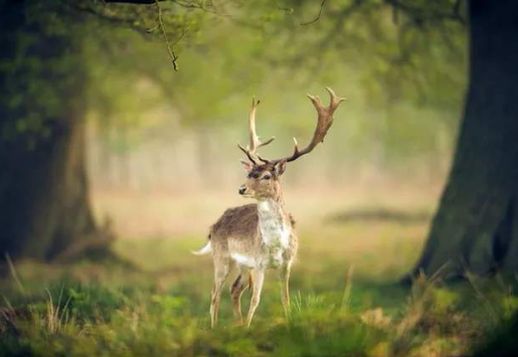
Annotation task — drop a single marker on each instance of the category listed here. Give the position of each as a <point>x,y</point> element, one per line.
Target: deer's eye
<point>267,177</point>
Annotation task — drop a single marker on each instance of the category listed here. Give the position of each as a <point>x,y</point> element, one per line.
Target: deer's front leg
<point>257,286</point>
<point>284,276</point>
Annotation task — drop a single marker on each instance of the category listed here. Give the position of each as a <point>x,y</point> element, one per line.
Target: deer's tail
<point>206,249</point>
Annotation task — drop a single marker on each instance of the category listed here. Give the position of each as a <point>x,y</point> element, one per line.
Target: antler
<point>254,143</point>
<point>324,122</point>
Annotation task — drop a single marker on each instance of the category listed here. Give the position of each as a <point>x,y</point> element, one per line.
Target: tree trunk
<point>44,206</point>
<point>476,226</point>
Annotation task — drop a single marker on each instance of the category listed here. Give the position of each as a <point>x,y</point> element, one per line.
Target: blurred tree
<point>45,209</point>
<point>476,225</point>
<point>44,205</point>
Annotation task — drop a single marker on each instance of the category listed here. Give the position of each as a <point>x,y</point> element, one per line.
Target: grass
<point>345,301</point>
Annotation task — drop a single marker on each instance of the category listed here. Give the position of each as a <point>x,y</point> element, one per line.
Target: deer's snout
<point>242,190</point>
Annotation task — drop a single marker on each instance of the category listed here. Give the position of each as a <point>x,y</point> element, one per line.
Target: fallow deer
<point>255,237</point>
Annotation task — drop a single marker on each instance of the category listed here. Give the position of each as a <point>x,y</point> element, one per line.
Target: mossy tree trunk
<point>476,226</point>
<point>44,204</point>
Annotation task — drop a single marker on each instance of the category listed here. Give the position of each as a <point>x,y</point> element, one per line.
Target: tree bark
<point>476,226</point>
<point>44,204</point>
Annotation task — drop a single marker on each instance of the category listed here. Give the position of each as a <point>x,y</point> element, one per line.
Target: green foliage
<point>405,79</point>
<point>93,309</point>
<point>405,82</point>
<point>39,68</point>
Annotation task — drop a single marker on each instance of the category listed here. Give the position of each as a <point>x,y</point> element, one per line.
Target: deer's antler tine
<point>295,146</point>
<point>247,153</point>
<point>317,103</point>
<point>324,122</point>
<point>315,100</point>
<point>265,161</point>
<point>334,100</point>
<point>266,142</point>
<point>254,142</point>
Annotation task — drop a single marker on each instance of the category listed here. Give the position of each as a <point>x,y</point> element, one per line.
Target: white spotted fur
<point>275,232</point>
<point>275,236</point>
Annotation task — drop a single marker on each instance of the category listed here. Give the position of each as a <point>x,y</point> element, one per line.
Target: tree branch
<point>317,17</point>
<point>170,50</point>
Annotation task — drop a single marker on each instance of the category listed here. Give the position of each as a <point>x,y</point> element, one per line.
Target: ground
<point>346,298</point>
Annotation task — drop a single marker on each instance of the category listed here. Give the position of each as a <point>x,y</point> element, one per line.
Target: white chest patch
<point>275,233</point>
<point>275,236</point>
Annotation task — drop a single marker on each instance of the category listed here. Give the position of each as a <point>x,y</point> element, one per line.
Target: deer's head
<point>263,174</point>
<point>262,180</point>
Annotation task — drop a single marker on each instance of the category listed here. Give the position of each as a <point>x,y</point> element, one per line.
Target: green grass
<point>345,301</point>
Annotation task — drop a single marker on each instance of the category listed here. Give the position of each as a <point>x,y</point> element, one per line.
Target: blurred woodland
<point>150,127</point>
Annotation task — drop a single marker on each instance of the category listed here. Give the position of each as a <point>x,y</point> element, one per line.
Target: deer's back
<point>237,222</point>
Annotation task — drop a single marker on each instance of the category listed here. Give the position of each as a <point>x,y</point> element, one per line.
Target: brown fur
<point>237,222</point>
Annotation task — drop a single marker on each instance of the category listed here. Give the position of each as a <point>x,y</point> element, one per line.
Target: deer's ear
<point>280,167</point>
<point>247,165</point>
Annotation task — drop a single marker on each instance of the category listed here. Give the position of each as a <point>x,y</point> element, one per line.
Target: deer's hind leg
<point>221,271</point>
<point>237,289</point>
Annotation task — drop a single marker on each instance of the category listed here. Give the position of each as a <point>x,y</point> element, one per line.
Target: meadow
<point>346,293</point>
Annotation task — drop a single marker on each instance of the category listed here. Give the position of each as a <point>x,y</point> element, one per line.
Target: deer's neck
<point>271,208</point>
<point>274,225</point>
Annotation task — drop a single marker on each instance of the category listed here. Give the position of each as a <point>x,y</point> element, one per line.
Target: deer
<point>252,238</point>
